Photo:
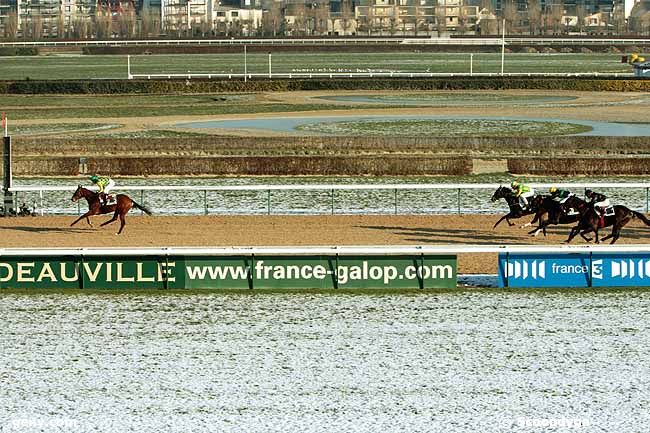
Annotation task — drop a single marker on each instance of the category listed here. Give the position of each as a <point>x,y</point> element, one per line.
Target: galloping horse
<point>590,221</point>
<point>513,203</point>
<point>120,209</point>
<point>551,212</point>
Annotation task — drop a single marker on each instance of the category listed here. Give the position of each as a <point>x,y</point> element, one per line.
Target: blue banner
<point>574,270</point>
<point>544,270</point>
<point>621,270</point>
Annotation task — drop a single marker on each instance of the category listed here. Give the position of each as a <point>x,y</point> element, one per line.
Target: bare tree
<point>441,19</point>
<point>36,27</point>
<point>534,16</point>
<point>581,14</point>
<point>126,22</point>
<point>511,15</point>
<point>321,14</point>
<point>462,20</point>
<point>11,25</point>
<point>347,17</point>
<point>103,24</point>
<point>618,20</point>
<point>272,21</point>
<point>557,12</point>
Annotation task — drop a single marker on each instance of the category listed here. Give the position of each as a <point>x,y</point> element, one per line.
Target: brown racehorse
<point>120,209</point>
<point>590,221</point>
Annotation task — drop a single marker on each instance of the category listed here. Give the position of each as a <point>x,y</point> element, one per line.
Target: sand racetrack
<point>281,230</point>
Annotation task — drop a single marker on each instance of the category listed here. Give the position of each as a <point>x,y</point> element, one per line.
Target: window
<point>221,14</point>
<point>234,13</point>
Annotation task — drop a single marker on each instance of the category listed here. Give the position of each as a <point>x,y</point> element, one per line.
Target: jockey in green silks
<point>523,192</point>
<point>105,184</point>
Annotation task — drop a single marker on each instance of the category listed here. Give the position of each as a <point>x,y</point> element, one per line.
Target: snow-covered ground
<point>467,361</point>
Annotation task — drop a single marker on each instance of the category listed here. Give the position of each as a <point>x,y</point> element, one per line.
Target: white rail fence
<point>324,250</point>
<point>332,41</point>
<point>331,189</point>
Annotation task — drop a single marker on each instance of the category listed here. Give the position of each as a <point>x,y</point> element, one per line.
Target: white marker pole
<point>245,65</point>
<point>503,46</point>
<point>471,64</point>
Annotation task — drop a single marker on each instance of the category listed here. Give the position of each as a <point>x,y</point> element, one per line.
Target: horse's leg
<point>110,220</point>
<point>86,215</point>
<point>122,222</point>
<point>505,217</point>
<point>509,223</point>
<point>574,231</point>
<point>89,223</point>
<point>584,232</point>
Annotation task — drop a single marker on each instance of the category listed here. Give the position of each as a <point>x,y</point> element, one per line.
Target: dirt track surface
<point>142,231</point>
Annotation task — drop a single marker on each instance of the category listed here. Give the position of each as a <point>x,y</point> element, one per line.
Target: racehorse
<point>513,203</point>
<point>590,221</point>
<point>122,205</point>
<point>551,212</point>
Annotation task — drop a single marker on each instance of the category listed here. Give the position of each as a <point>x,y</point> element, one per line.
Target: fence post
<point>40,194</point>
<point>332,196</point>
<point>205,201</point>
<point>395,201</point>
<point>646,200</point>
<point>458,201</point>
<point>141,201</point>
<point>268,202</point>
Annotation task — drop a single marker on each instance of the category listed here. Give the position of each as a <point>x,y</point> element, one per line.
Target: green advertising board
<point>230,272</point>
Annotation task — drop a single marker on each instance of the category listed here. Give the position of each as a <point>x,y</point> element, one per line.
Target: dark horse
<point>513,203</point>
<point>551,212</point>
<point>119,209</point>
<point>590,221</point>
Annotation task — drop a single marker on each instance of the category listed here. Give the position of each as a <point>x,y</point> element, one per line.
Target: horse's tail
<point>142,208</point>
<point>642,217</point>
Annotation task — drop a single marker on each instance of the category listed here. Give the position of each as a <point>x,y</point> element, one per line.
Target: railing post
<point>141,201</point>
<point>332,196</point>
<point>395,201</point>
<point>268,202</point>
<point>40,193</point>
<point>458,201</point>
<point>646,200</point>
<point>205,201</point>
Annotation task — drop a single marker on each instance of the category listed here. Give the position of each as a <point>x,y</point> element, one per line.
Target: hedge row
<point>579,166</point>
<point>332,145</point>
<point>18,51</point>
<point>243,165</point>
<point>263,85</point>
<point>387,48</point>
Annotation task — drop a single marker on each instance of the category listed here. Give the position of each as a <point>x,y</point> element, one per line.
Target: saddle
<point>109,199</point>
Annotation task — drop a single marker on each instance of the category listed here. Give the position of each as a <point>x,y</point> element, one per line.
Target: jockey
<point>523,192</point>
<point>599,201</point>
<point>560,196</point>
<point>105,184</point>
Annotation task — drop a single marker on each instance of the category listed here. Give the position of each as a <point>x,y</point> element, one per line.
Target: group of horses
<point>574,210</point>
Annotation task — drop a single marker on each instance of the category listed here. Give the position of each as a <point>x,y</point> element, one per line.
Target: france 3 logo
<point>574,270</point>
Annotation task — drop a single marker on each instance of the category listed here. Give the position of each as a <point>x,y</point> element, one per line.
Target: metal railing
<point>291,75</point>
<point>322,250</point>
<point>333,188</point>
<point>331,41</point>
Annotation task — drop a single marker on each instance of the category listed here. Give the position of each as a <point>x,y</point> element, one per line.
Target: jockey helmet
<point>94,178</point>
<point>552,189</point>
<point>589,193</point>
<point>514,184</point>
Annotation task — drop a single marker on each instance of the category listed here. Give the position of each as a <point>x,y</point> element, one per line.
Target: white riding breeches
<point>523,199</point>
<point>110,186</point>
